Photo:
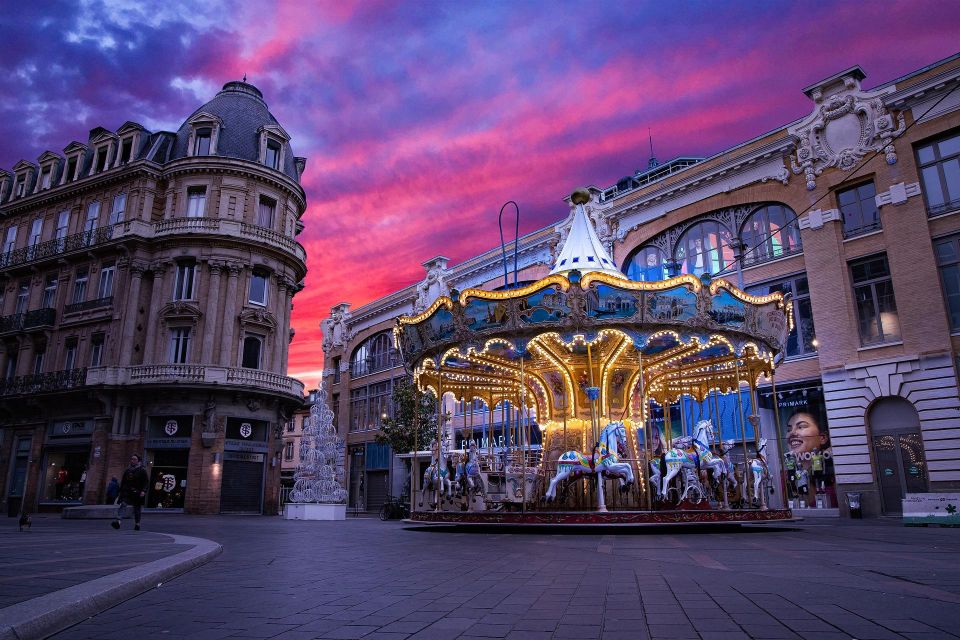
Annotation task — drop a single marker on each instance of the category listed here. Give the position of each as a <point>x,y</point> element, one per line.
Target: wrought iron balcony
<point>36,319</point>
<point>43,382</point>
<point>57,246</point>
<point>89,304</point>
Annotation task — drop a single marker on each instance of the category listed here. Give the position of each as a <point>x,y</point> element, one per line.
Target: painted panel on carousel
<point>727,311</point>
<point>606,302</point>
<point>485,315</point>
<point>548,305</point>
<point>675,305</point>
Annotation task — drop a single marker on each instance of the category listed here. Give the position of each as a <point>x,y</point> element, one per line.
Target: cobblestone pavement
<point>368,579</point>
<point>55,554</point>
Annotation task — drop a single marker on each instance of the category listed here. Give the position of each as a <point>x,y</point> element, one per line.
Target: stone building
<point>854,210</point>
<point>146,281</point>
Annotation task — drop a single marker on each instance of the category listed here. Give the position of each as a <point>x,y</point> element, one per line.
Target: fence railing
<point>89,304</point>
<point>43,382</point>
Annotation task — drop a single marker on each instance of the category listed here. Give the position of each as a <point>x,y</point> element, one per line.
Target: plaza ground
<point>369,579</point>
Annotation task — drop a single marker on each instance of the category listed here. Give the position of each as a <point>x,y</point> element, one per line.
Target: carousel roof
<point>582,249</point>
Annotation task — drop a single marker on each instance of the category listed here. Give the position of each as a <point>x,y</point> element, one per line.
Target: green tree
<point>414,420</point>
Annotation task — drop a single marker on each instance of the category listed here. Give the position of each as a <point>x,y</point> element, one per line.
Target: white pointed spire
<point>582,249</point>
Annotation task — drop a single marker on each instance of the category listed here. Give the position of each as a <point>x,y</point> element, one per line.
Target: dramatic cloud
<point>420,119</point>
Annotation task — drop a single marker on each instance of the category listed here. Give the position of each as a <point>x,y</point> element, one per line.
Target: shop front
<point>807,455</point>
<point>66,458</point>
<point>244,456</point>
<point>20,465</point>
<point>167,458</point>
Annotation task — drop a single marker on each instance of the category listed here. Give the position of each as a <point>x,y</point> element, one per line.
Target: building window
<point>96,349</point>
<point>272,156</point>
<point>23,295</point>
<point>948,260</point>
<point>101,161</point>
<point>335,407</point>
<point>90,224</point>
<point>288,451</point>
<point>647,264</point>
<point>70,355</point>
<point>266,212</point>
<point>358,409</point>
<point>36,231</point>
<point>196,202</point>
<point>201,144</point>
<point>802,340</point>
<point>252,349</point>
<point>769,233</point>
<point>291,426</point>
<point>80,286</point>
<point>11,240</point>
<point>336,370</point>
<point>179,345</point>
<point>21,187</point>
<point>63,222</point>
<point>858,205</point>
<point>119,206</point>
<point>50,293</point>
<point>45,177</point>
<point>11,368</point>
<point>126,150</point>
<point>258,289</point>
<point>372,355</point>
<point>105,288</point>
<point>184,281</point>
<point>876,306</point>
<point>706,247</point>
<point>939,164</point>
<point>71,172</point>
<point>38,357</point>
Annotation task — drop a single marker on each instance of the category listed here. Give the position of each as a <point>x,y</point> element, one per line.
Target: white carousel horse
<point>468,479</point>
<point>655,478</point>
<point>760,471</point>
<point>677,459</point>
<point>604,460</point>
<point>437,475</point>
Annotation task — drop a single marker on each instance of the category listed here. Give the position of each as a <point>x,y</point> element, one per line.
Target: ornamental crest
<point>170,428</point>
<point>847,124</point>
<point>246,429</point>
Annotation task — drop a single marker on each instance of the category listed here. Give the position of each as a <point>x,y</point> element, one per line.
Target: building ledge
<point>195,374</point>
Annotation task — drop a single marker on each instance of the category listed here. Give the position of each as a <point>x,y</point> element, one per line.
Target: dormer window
<point>71,173</point>
<point>100,163</point>
<point>20,187</point>
<point>272,156</point>
<point>126,150</point>
<point>45,177</point>
<point>201,141</point>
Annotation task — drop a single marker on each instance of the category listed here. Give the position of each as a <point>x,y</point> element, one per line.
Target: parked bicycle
<point>395,508</point>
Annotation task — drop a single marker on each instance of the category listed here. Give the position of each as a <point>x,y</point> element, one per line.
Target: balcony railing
<point>89,304</point>
<point>195,374</point>
<point>56,247</point>
<point>35,319</point>
<point>273,238</point>
<point>43,382</point>
<point>177,225</point>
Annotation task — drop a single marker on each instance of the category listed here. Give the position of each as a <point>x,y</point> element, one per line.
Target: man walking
<point>133,488</point>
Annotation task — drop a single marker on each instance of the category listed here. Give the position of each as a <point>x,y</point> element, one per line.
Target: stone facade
<point>147,283</point>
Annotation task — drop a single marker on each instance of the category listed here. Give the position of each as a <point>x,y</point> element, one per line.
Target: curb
<point>48,614</point>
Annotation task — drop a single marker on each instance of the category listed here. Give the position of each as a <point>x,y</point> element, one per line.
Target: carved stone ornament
<point>258,318</point>
<point>335,331</point>
<point>180,312</point>
<point>434,284</point>
<point>847,124</point>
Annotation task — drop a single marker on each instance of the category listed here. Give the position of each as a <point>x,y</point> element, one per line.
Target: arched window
<point>769,233</point>
<point>647,264</point>
<point>704,248</point>
<point>372,355</point>
<point>252,350</point>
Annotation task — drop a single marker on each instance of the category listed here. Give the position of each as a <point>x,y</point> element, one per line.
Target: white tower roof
<point>582,249</point>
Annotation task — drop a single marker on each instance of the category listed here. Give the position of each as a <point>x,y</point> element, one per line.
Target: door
<point>242,487</point>
<point>901,468</point>
<point>376,490</point>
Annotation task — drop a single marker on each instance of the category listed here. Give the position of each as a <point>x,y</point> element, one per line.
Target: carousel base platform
<point>594,518</point>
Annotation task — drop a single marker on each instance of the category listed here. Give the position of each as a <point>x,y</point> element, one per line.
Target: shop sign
<point>242,457</point>
<point>926,508</point>
<point>96,452</point>
<point>167,443</point>
<point>888,471</point>
<point>170,428</point>
<point>246,429</point>
<point>244,445</point>
<point>69,428</point>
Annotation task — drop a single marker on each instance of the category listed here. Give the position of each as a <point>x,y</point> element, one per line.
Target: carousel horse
<point>655,478</point>
<point>468,479</point>
<point>437,475</point>
<point>760,471</point>
<point>604,460</point>
<point>697,457</point>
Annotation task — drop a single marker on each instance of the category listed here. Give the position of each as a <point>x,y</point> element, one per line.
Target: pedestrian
<point>83,483</point>
<point>133,488</point>
<point>113,490</point>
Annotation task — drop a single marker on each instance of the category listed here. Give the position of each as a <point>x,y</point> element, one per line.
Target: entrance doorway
<point>897,451</point>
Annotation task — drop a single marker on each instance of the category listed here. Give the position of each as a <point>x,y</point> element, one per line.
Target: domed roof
<point>243,113</point>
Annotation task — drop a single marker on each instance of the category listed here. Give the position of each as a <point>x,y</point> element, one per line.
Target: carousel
<point>588,398</point>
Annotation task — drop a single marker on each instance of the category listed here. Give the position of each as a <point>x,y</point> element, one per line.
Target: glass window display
<point>168,478</point>
<point>62,477</point>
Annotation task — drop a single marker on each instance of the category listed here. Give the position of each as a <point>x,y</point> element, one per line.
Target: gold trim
<point>442,301</point>
<point>743,296</point>
<point>633,285</point>
<point>483,294</point>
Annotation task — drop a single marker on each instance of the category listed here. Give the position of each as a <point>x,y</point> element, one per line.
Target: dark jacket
<point>113,489</point>
<point>133,481</point>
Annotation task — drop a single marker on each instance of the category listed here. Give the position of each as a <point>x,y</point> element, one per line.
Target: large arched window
<point>769,233</point>
<point>372,355</point>
<point>706,247</point>
<point>647,264</point>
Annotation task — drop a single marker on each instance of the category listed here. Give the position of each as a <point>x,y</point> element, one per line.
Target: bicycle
<point>395,508</point>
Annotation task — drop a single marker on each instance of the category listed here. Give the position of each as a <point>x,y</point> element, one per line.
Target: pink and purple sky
<point>419,120</point>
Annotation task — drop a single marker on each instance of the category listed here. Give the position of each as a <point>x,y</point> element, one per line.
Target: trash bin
<point>853,502</point>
